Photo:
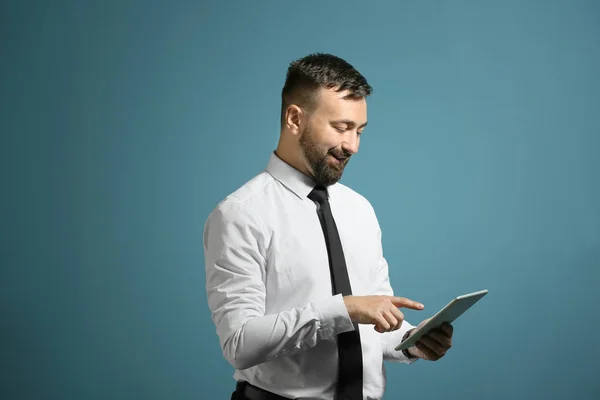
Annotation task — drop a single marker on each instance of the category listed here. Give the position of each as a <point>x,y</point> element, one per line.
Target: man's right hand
<point>381,311</point>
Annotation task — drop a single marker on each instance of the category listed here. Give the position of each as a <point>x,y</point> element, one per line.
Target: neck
<point>293,158</point>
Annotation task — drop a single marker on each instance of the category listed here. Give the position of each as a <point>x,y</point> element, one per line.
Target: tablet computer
<point>449,313</point>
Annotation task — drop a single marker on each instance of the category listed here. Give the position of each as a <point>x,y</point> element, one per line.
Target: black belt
<point>246,391</point>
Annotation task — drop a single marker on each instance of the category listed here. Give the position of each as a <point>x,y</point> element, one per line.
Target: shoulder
<point>244,202</point>
<point>237,217</point>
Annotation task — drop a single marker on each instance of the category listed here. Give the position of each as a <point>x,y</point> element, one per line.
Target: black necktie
<point>350,371</point>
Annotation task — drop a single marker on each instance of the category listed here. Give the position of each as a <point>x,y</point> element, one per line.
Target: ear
<point>293,119</point>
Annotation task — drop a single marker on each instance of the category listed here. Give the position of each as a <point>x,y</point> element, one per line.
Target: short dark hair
<point>320,70</point>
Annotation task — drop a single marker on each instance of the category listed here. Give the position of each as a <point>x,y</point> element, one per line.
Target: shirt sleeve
<point>235,247</point>
<point>390,340</point>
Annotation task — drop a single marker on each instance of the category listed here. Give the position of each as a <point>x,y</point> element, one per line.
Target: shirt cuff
<point>333,316</point>
<point>405,359</point>
<point>392,340</point>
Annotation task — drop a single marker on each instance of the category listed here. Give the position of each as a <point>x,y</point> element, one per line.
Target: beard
<point>326,171</point>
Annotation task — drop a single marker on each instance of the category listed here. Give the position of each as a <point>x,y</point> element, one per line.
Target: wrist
<point>349,306</point>
<point>407,353</point>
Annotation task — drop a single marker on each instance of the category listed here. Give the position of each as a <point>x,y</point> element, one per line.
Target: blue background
<point>124,123</point>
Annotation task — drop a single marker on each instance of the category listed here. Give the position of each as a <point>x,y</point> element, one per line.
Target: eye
<point>340,129</point>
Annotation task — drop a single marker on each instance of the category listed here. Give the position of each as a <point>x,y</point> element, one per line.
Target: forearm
<point>259,338</point>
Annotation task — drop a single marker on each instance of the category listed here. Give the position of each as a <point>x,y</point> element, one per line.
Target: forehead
<point>333,105</point>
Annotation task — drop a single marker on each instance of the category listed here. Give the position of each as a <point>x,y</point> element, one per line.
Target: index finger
<point>406,303</point>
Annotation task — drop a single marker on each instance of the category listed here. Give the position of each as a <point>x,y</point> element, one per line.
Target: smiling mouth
<point>338,159</point>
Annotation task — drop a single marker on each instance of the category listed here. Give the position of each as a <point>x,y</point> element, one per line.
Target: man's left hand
<point>434,344</point>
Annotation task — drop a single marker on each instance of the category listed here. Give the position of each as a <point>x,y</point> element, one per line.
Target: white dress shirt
<point>269,286</point>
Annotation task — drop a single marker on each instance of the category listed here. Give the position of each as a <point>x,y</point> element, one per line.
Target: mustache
<point>340,154</point>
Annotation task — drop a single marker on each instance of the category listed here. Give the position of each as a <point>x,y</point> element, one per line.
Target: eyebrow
<point>348,122</point>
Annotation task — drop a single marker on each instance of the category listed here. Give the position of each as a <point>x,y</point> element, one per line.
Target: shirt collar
<point>290,177</point>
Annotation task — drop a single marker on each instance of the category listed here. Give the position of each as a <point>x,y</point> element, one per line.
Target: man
<point>295,275</point>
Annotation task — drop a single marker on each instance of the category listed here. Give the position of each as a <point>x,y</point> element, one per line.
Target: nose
<point>351,142</point>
